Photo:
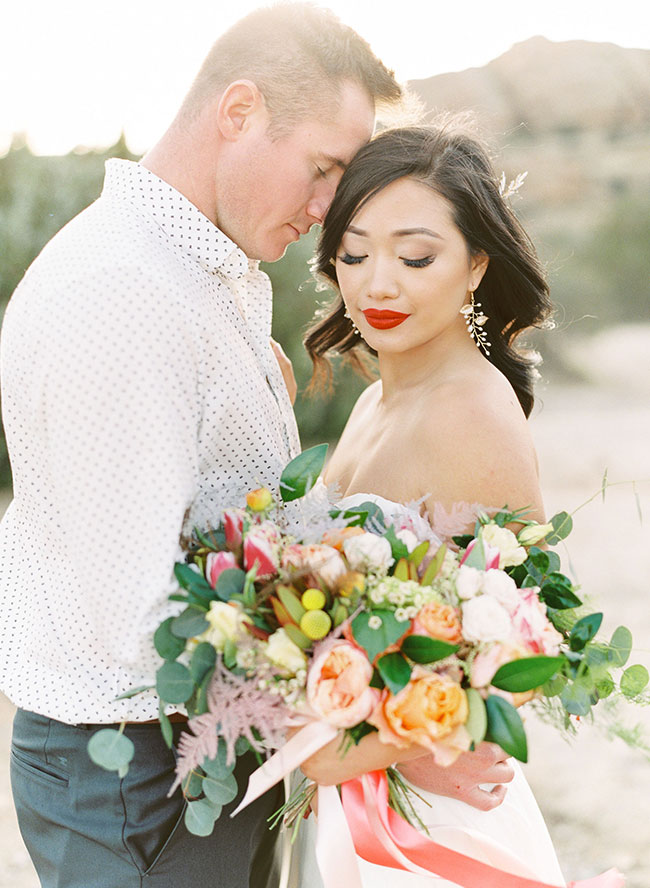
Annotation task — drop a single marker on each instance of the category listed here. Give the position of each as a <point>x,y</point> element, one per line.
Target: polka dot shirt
<point>140,396</point>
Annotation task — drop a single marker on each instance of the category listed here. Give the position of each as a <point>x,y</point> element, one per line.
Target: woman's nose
<point>382,283</point>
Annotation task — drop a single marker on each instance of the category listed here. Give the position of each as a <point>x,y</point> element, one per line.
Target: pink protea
<point>490,553</point>
<point>233,523</point>
<point>261,549</point>
<point>216,563</point>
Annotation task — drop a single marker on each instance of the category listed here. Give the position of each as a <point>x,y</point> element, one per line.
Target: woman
<point>437,278</point>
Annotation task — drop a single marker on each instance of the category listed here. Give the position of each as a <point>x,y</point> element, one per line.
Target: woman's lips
<point>384,320</point>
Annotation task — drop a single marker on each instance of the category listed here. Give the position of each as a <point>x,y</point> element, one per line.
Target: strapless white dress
<point>514,832</point>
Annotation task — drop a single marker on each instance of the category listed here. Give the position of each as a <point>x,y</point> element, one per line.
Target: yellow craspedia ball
<point>316,624</point>
<point>312,599</point>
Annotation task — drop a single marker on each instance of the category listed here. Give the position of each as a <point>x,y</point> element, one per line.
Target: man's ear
<point>480,262</point>
<point>240,108</point>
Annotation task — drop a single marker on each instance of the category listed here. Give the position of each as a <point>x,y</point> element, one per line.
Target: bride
<point>435,276</point>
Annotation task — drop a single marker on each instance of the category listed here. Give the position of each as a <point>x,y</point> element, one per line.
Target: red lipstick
<point>384,320</point>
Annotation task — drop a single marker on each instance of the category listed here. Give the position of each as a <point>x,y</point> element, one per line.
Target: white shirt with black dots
<point>140,396</point>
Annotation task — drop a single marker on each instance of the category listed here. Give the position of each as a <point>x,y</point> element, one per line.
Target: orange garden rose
<point>338,685</point>
<point>430,711</point>
<point>438,621</point>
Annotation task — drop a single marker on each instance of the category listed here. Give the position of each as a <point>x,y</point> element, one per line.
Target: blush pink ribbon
<point>381,836</point>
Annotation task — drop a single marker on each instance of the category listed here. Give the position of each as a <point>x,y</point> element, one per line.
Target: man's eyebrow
<point>402,232</point>
<point>334,161</point>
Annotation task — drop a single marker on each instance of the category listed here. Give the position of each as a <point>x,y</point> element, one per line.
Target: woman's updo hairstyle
<point>513,292</point>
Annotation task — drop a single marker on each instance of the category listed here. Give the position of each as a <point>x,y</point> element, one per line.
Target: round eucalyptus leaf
<point>634,680</point>
<point>174,683</point>
<point>220,791</point>
<point>111,750</point>
<point>200,817</point>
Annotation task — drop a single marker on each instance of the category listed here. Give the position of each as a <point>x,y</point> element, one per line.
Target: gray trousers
<point>86,828</point>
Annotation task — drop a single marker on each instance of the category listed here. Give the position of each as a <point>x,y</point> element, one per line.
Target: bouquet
<point>353,623</point>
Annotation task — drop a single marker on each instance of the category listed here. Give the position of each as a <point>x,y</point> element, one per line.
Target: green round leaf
<point>562,527</point>
<point>231,582</point>
<point>218,767</point>
<point>506,728</point>
<point>634,680</point>
<point>620,646</point>
<point>174,683</point>
<point>168,645</point>
<point>476,723</point>
<point>300,475</point>
<point>194,583</point>
<point>200,817</point>
<point>374,641</point>
<point>584,630</point>
<point>525,674</point>
<point>422,649</point>
<point>220,791</point>
<point>189,623</point>
<point>111,750</point>
<point>578,697</point>
<point>192,785</point>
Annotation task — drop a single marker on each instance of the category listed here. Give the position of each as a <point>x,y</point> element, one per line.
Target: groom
<point>140,393</point>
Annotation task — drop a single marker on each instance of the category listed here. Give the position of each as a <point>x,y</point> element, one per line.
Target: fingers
<point>486,800</point>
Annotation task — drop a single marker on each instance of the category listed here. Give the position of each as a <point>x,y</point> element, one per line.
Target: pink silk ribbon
<point>381,836</point>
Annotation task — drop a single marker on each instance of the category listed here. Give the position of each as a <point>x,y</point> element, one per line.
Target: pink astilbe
<point>236,708</point>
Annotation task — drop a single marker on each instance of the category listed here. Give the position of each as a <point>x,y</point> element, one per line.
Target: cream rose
<point>284,653</point>
<point>503,588</point>
<point>510,552</point>
<point>484,619</point>
<point>368,551</point>
<point>468,581</point>
<point>227,623</point>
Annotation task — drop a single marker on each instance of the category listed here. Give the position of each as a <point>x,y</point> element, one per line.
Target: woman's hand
<point>287,370</point>
<point>487,764</point>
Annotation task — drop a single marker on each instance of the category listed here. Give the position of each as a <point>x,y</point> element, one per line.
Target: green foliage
<point>111,750</point>
<point>374,641</point>
<point>506,728</point>
<point>422,649</point>
<point>300,475</point>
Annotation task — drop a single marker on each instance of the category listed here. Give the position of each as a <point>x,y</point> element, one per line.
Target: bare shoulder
<point>474,445</point>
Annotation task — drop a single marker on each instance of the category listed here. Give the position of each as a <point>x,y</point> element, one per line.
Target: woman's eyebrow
<point>402,232</point>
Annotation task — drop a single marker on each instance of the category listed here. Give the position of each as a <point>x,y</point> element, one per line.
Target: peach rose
<point>336,536</point>
<point>438,620</point>
<point>338,685</point>
<point>430,711</point>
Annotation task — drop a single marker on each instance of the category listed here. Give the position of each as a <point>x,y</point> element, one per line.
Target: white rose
<point>367,551</point>
<point>408,538</point>
<point>468,581</point>
<point>226,621</point>
<point>499,585</point>
<point>510,552</point>
<point>284,653</point>
<point>484,619</point>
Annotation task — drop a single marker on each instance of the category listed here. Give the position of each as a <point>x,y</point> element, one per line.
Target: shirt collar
<point>183,223</point>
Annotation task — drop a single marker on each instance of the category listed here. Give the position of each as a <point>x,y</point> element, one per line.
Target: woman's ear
<point>478,267</point>
<point>241,107</point>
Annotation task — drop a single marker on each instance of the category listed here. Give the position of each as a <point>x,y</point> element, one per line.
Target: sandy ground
<point>595,794</point>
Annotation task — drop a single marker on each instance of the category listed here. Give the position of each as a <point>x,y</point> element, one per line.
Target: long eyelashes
<point>348,259</point>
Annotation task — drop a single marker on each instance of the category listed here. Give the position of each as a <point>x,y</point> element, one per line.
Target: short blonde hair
<point>298,55</point>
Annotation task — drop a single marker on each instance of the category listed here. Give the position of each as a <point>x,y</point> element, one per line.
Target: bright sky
<point>76,72</point>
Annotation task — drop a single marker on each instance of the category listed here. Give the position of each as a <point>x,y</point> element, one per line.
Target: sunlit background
<point>84,81</point>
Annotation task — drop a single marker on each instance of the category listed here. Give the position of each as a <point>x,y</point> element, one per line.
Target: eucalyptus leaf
<point>134,691</point>
<point>111,750</point>
<point>395,671</point>
<point>168,645</point>
<point>203,659</point>
<point>604,688</point>
<point>220,790</point>
<point>217,768</point>
<point>174,683</point>
<point>201,698</point>
<point>190,622</point>
<point>300,475</point>
<point>562,527</point>
<point>620,646</point>
<point>506,728</point>
<point>165,726</point>
<point>231,581</point>
<point>634,680</point>
<point>194,583</point>
<point>374,641</point>
<point>557,592</point>
<point>584,630</point>
<point>192,786</point>
<point>422,649</point>
<point>578,697</point>
<point>526,674</point>
<point>200,817</point>
<point>476,723</point>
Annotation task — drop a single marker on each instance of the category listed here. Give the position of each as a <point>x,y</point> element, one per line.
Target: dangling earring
<point>475,321</point>
<point>355,329</point>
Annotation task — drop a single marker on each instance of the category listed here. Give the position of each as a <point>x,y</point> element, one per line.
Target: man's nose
<point>320,201</point>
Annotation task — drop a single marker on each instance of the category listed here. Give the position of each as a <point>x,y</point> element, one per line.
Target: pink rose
<point>216,563</point>
<point>338,685</point>
<point>533,627</point>
<point>233,522</point>
<point>261,548</point>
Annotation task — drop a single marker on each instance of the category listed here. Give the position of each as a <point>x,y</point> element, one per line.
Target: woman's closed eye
<point>418,263</point>
<point>349,259</point>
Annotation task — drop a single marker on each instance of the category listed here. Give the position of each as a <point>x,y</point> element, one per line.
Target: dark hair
<point>298,55</point>
<point>513,292</point>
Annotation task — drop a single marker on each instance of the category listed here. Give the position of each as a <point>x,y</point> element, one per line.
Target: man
<point>141,394</point>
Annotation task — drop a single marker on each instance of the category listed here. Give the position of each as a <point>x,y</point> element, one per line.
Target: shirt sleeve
<point>118,406</point>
